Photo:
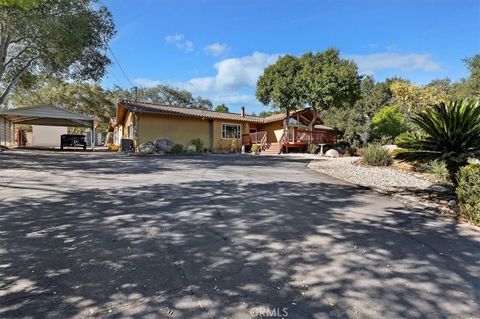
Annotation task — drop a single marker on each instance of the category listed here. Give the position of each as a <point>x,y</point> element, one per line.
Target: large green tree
<point>320,80</point>
<point>469,87</point>
<point>354,121</point>
<point>84,98</point>
<point>25,4</point>
<point>326,81</point>
<point>54,39</point>
<point>222,108</point>
<point>277,86</point>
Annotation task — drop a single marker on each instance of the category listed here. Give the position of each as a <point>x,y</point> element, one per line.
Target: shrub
<point>255,148</point>
<point>376,155</point>
<point>312,148</point>
<point>351,151</point>
<point>198,144</point>
<point>388,122</point>
<point>439,170</point>
<point>468,192</point>
<point>402,137</point>
<point>234,145</point>
<point>177,149</point>
<point>451,133</point>
<point>361,151</point>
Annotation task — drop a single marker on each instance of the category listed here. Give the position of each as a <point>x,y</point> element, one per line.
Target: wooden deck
<point>294,138</point>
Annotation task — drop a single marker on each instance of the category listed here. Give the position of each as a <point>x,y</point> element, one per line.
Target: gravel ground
<point>385,178</point>
<point>404,185</point>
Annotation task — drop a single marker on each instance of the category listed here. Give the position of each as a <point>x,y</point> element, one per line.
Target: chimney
<point>242,111</point>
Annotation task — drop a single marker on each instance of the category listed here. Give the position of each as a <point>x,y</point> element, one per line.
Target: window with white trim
<point>231,131</point>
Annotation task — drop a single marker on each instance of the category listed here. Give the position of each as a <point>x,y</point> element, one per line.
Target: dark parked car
<point>73,140</point>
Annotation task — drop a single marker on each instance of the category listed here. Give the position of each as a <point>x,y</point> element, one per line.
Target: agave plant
<point>450,133</point>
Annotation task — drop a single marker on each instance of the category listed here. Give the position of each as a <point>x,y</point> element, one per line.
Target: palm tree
<point>450,133</point>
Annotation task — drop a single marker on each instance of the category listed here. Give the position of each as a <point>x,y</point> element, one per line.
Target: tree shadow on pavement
<point>218,249</point>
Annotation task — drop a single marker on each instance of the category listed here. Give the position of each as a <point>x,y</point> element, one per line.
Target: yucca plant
<point>450,133</point>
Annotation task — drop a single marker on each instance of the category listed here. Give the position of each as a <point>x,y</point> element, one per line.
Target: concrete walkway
<point>107,235</point>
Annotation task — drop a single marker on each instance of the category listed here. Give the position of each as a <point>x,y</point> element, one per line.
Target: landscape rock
<point>163,145</point>
<point>438,188</point>
<point>452,204</point>
<point>332,153</point>
<point>147,148</point>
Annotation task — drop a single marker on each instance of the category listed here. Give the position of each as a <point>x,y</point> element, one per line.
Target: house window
<point>130,131</point>
<point>231,131</point>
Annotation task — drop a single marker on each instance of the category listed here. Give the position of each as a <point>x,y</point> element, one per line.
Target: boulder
<point>163,145</point>
<point>332,153</point>
<point>438,188</point>
<point>452,204</point>
<point>147,148</point>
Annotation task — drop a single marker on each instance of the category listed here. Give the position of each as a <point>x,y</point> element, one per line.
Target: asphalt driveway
<point>108,235</point>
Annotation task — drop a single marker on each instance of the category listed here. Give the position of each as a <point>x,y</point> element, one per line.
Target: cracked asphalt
<point>107,235</point>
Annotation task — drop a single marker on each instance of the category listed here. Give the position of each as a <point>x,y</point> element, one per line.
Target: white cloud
<point>180,42</point>
<point>147,82</point>
<point>174,37</point>
<point>235,99</point>
<point>369,63</point>
<point>233,73</point>
<point>217,49</point>
<point>235,78</point>
<point>187,46</point>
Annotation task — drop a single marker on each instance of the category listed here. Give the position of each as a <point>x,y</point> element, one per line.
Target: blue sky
<point>218,48</point>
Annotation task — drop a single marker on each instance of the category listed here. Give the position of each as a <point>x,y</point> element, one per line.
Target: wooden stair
<point>271,149</point>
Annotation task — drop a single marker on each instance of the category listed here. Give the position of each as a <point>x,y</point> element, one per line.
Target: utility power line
<point>85,2</point>
<point>119,82</point>
<point>118,63</point>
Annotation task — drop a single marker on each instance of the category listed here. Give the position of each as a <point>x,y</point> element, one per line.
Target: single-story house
<point>142,122</point>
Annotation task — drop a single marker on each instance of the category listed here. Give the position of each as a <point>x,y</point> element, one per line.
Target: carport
<point>48,115</point>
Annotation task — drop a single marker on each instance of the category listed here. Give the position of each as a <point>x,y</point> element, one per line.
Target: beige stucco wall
<point>128,120</point>
<point>221,144</point>
<point>270,128</point>
<point>180,130</point>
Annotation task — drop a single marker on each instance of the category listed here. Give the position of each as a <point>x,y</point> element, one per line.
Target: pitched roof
<point>46,115</point>
<point>144,107</point>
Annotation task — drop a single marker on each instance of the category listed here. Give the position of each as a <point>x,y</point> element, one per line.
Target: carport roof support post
<point>93,134</point>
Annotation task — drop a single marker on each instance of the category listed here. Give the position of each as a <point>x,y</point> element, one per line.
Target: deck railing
<point>255,138</point>
<point>296,135</point>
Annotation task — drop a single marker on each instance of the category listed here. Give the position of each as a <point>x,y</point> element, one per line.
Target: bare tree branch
<point>4,43</point>
<point>15,79</point>
<point>15,41</point>
<point>15,57</point>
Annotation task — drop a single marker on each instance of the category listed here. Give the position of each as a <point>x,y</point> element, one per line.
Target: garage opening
<point>48,116</point>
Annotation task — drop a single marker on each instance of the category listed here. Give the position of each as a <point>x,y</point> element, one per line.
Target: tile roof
<point>144,107</point>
